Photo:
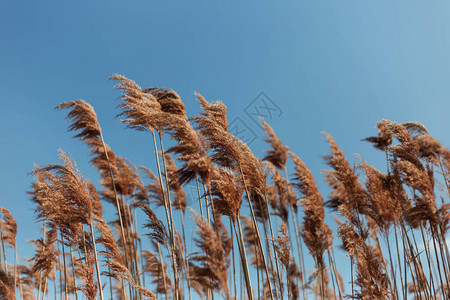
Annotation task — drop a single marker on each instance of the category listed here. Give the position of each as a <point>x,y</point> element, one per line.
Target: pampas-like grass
<point>210,268</point>
<point>227,191</point>
<point>355,195</point>
<point>279,153</point>
<point>85,120</point>
<point>158,269</point>
<point>8,227</point>
<point>115,260</point>
<point>6,286</point>
<point>239,157</point>
<point>316,233</point>
<point>372,277</point>
<point>406,204</point>
<point>141,109</point>
<point>66,201</point>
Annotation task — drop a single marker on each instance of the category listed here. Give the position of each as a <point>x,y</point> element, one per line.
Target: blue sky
<point>334,66</point>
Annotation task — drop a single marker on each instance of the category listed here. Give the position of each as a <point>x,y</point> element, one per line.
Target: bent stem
<point>111,174</point>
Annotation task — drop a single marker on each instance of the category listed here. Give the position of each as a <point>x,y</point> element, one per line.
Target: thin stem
<point>163,271</point>
<point>288,281</point>
<point>110,284</point>
<point>206,205</point>
<point>40,273</point>
<point>412,257</point>
<point>15,266</point>
<point>399,261</point>
<point>65,269</point>
<point>351,275</point>
<point>297,237</point>
<point>73,272</point>
<point>186,263</point>
<point>333,266</point>
<point>425,244</point>
<point>111,174</point>
<point>275,252</point>
<point>438,263</point>
<point>96,262</point>
<point>333,279</point>
<point>244,260</point>
<point>199,196</point>
<point>268,250</point>
<point>169,220</point>
<point>3,247</point>
<point>392,265</point>
<point>60,275</point>
<point>233,259</point>
<point>257,232</point>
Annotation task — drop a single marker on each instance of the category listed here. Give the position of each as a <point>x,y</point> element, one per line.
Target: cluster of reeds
<point>255,227</point>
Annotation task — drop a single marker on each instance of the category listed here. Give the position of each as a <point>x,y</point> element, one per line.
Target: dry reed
<point>384,215</point>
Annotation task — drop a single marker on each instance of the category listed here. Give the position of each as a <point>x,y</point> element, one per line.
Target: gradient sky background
<point>334,66</point>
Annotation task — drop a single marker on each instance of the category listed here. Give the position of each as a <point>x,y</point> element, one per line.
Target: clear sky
<point>334,66</point>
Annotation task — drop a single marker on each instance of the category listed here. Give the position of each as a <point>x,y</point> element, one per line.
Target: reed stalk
<point>257,233</point>
<point>244,262</point>
<point>275,252</point>
<point>163,271</point>
<point>167,204</point>
<point>119,212</point>
<point>3,248</point>
<point>425,244</point>
<point>64,265</point>
<point>97,265</point>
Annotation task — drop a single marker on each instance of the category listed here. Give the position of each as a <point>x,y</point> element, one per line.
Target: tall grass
<point>256,227</point>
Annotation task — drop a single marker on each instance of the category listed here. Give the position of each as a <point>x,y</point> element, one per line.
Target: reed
<point>392,223</point>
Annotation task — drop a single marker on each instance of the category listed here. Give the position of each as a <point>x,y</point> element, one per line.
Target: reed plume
<point>6,286</point>
<point>97,206</point>
<point>8,234</point>
<point>85,120</point>
<point>116,261</point>
<point>155,189</point>
<point>371,274</point>
<point>192,150</point>
<point>68,202</point>
<point>283,246</point>
<point>227,150</point>
<point>141,109</point>
<point>158,231</point>
<point>279,153</point>
<point>280,194</point>
<point>169,101</point>
<point>384,138</point>
<point>294,275</point>
<point>355,195</point>
<point>9,228</point>
<point>46,256</point>
<point>158,269</point>
<point>385,207</point>
<point>316,233</point>
<point>210,268</point>
<point>86,272</point>
<point>28,280</point>
<point>277,158</point>
<point>227,191</point>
